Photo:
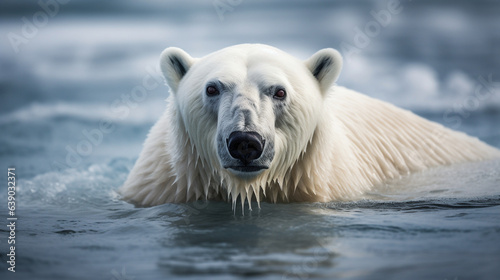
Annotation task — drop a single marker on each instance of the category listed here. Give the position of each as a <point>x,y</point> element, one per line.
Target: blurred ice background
<point>77,63</point>
<point>66,66</point>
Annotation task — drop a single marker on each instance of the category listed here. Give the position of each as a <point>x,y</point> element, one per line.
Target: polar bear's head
<point>250,109</point>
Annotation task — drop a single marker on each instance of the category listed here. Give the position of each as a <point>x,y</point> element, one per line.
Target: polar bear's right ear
<point>174,64</point>
<point>325,66</point>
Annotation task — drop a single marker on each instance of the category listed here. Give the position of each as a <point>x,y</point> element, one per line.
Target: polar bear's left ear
<point>325,65</point>
<point>175,63</point>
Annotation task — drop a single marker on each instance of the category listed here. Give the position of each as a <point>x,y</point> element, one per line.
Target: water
<point>72,225</point>
<point>440,224</point>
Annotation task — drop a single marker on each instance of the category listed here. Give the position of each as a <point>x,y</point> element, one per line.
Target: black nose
<point>245,146</point>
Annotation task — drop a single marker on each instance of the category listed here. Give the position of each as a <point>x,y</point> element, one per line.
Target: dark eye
<point>212,91</point>
<point>280,94</point>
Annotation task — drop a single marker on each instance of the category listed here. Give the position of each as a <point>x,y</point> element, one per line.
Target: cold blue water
<point>80,89</point>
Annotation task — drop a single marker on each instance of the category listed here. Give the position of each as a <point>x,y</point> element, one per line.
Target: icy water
<point>84,65</point>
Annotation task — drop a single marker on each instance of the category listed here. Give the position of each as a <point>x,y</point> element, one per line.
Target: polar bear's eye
<point>212,91</point>
<point>280,93</point>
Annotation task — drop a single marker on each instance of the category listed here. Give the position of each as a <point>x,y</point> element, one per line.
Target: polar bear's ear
<point>174,64</point>
<point>325,65</point>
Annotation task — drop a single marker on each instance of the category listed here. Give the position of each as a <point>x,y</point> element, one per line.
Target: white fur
<point>330,143</point>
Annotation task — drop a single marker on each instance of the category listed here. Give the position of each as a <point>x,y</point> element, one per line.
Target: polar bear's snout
<point>246,153</point>
<point>245,128</point>
<point>245,146</point>
<point>245,142</point>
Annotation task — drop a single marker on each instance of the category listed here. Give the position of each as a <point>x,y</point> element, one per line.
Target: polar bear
<point>253,122</point>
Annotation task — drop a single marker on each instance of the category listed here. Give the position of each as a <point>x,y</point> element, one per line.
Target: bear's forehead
<point>254,71</point>
<point>244,59</point>
<point>250,54</point>
<point>251,49</point>
<point>251,63</point>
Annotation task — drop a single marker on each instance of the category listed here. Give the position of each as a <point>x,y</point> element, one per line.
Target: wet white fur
<point>331,144</point>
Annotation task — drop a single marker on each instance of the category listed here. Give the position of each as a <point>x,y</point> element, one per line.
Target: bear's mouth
<point>246,168</point>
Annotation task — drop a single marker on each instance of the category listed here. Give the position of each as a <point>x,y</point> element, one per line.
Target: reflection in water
<point>271,240</point>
